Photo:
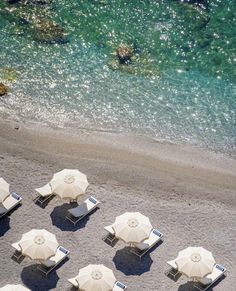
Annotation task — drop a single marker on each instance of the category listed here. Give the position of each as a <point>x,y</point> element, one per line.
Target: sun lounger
<point>48,265</point>
<point>119,286</point>
<point>110,235</point>
<point>206,282</point>
<point>142,248</point>
<point>82,210</point>
<point>74,282</point>
<point>45,193</point>
<point>17,254</point>
<point>9,203</point>
<point>173,271</point>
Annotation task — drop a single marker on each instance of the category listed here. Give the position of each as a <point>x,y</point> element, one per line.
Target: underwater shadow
<point>58,217</point>
<point>130,264</point>
<point>4,225</point>
<point>36,281</point>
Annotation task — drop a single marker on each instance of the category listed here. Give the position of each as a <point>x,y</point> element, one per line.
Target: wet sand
<point>188,194</point>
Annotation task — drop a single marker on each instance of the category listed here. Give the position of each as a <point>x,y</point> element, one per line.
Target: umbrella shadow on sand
<point>58,217</point>
<point>187,286</point>
<point>35,280</point>
<point>4,225</point>
<point>130,264</point>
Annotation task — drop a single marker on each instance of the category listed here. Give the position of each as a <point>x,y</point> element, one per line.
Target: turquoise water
<point>59,63</point>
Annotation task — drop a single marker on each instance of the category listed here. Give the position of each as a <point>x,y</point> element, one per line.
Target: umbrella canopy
<point>38,244</point>
<point>195,262</point>
<point>69,184</point>
<point>4,190</point>
<point>132,227</point>
<point>96,278</point>
<point>10,287</point>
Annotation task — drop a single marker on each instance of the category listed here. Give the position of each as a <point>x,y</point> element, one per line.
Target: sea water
<point>180,87</point>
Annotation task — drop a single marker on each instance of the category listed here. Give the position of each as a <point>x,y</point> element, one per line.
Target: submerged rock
<point>38,2</point>
<point>130,60</point>
<point>49,32</point>
<point>3,89</point>
<point>13,1</point>
<point>124,54</point>
<point>32,2</point>
<point>8,74</point>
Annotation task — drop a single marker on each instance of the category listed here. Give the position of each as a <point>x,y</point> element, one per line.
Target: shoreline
<point>185,164</point>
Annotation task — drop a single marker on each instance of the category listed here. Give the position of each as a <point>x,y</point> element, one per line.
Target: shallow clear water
<point>181,86</point>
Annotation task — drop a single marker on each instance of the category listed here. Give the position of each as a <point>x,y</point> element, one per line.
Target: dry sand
<point>188,194</point>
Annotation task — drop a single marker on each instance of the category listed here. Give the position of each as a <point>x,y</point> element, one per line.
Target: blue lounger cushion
<point>157,232</point>
<point>15,195</point>
<point>119,284</point>
<point>92,199</point>
<point>63,250</point>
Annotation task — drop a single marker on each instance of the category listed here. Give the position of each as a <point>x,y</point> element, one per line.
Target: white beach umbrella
<point>132,227</point>
<point>195,262</point>
<point>10,287</point>
<point>4,190</point>
<point>38,244</point>
<point>96,278</point>
<point>69,183</point>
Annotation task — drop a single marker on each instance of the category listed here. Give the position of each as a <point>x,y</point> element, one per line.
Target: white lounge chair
<point>48,265</point>
<point>142,248</point>
<point>206,282</point>
<point>173,271</point>
<point>110,235</point>
<point>82,210</point>
<point>119,286</point>
<point>17,254</point>
<point>74,282</point>
<point>9,203</point>
<point>45,193</point>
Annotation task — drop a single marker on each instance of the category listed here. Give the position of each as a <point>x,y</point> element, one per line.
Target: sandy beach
<point>188,194</point>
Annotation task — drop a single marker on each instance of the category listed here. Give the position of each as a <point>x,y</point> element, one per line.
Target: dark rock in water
<point>13,1</point>
<point>38,2</point>
<point>49,32</point>
<point>33,2</point>
<point>124,54</point>
<point>3,89</point>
